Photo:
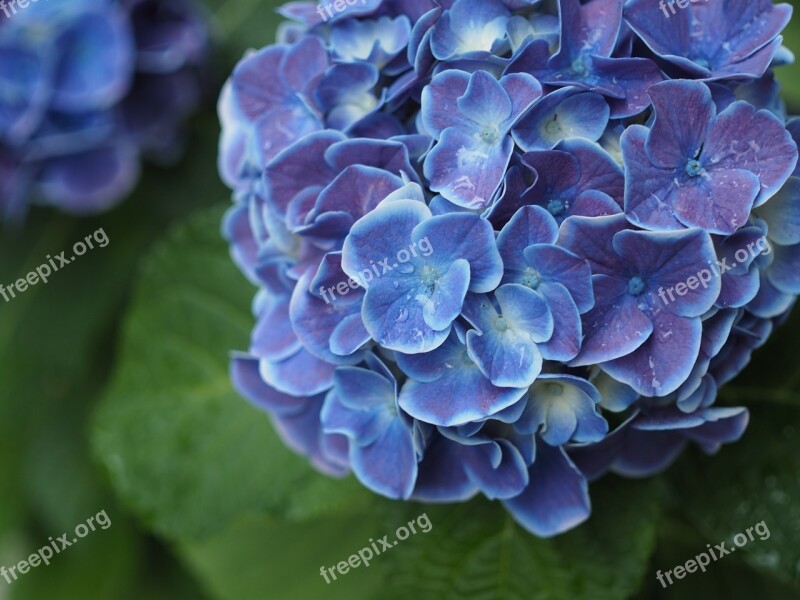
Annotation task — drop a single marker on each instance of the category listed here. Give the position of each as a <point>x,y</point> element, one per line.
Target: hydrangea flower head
<point>506,246</point>
<point>88,88</point>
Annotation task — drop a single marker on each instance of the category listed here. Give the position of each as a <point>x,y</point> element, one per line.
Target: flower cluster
<point>612,205</point>
<point>86,88</point>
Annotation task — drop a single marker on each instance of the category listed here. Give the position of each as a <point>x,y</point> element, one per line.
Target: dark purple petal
<point>683,110</point>
<point>555,265</point>
<point>741,138</point>
<point>665,360</point>
<point>649,190</point>
<point>616,326</point>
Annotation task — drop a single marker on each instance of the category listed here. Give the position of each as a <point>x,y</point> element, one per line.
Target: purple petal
<point>741,138</point>
<point>665,360</point>
<point>615,327</point>
<point>439,101</point>
<point>556,265</point>
<point>684,110</point>
<point>649,190</point>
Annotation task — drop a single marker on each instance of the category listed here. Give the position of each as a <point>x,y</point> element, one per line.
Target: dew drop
<point>406,268</point>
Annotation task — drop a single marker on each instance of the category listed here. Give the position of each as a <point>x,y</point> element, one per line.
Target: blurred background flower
<point>89,88</point>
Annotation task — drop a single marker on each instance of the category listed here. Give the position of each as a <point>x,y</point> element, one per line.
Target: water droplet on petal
<point>406,268</point>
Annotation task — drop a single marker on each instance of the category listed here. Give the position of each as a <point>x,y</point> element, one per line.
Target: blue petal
<point>440,101</point>
<point>379,236</point>
<point>566,503</point>
<point>442,477</point>
<point>485,102</point>
<point>784,273</point>
<point>303,433</point>
<point>564,113</point>
<point>96,62</point>
<point>469,27</point>
<point>300,375</point>
<point>564,408</point>
<point>565,344</point>
<point>362,427</point>
<point>525,311</point>
<point>615,395</point>
<point>459,394</point>
<point>506,479</point>
<point>529,225</point>
<point>388,466</point>
<point>468,237</point>
<point>361,389</point>
<point>465,170</point>
<point>248,382</point>
<point>782,214</point>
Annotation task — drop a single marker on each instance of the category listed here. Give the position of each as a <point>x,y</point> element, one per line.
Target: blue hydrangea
<point>88,88</point>
<point>507,246</point>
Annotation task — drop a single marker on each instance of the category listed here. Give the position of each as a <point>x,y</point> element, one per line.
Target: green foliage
<point>55,354</point>
<point>263,558</point>
<point>476,551</point>
<point>756,480</point>
<point>171,427</point>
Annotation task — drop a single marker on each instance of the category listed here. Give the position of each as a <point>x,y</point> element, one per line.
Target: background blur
<point>114,396</point>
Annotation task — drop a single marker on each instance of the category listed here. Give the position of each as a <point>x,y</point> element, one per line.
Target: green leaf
<point>755,480</point>
<point>263,558</point>
<point>475,551</point>
<point>55,356</point>
<point>776,365</point>
<point>244,24</point>
<point>729,578</point>
<point>55,337</point>
<point>789,75</point>
<point>182,448</point>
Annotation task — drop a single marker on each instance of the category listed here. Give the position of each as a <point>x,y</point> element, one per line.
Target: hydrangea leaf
<point>232,564</point>
<point>171,427</point>
<point>475,550</point>
<point>757,479</point>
